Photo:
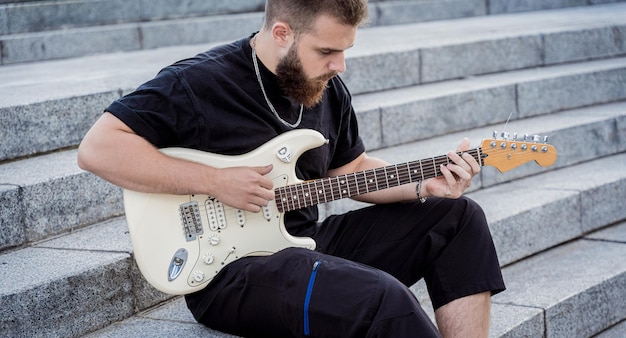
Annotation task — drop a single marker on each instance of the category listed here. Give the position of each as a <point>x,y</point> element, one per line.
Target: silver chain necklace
<point>269,104</point>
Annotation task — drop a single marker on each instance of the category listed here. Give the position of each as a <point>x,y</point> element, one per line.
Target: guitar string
<point>380,177</point>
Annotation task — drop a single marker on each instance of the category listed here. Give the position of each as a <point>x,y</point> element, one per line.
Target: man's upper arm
<point>349,167</point>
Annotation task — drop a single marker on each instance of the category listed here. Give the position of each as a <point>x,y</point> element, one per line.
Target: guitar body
<point>181,242</point>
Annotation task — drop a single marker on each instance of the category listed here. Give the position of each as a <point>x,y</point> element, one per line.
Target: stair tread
<point>576,284</point>
<point>521,304</point>
<point>111,238</point>
<point>41,81</point>
<point>37,177</point>
<point>560,232</point>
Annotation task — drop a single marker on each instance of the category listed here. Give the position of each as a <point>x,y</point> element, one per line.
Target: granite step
<point>528,215</point>
<point>419,88</point>
<point>561,288</point>
<point>47,106</point>
<point>96,26</point>
<point>48,194</point>
<point>548,308</point>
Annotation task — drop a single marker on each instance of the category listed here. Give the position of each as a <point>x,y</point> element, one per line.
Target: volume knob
<point>214,240</point>
<point>208,258</point>
<point>198,276</point>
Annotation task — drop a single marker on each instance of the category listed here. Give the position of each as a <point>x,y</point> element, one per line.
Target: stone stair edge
<point>65,14</point>
<point>81,198</point>
<point>496,305</point>
<point>94,84</point>
<point>421,111</point>
<point>134,40</point>
<point>580,296</point>
<point>33,179</point>
<point>422,106</point>
<point>136,35</point>
<point>604,180</point>
<point>23,17</point>
<point>508,318</point>
<point>430,37</point>
<point>119,243</point>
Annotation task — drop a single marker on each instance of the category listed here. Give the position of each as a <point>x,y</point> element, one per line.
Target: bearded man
<point>234,98</point>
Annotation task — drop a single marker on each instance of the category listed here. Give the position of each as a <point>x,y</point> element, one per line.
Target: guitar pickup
<point>215,214</point>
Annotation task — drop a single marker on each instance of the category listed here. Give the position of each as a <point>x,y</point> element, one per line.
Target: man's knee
<point>399,313</point>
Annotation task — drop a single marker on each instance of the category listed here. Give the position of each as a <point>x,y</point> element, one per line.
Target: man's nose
<point>338,64</point>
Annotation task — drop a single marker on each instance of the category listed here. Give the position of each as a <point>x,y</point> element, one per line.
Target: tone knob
<point>214,240</point>
<point>208,258</point>
<point>198,276</point>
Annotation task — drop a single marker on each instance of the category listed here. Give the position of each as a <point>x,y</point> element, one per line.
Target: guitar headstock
<point>505,154</point>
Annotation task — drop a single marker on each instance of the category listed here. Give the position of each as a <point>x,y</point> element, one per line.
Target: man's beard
<point>294,82</point>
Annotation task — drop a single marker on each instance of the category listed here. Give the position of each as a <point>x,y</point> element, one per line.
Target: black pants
<point>356,283</point>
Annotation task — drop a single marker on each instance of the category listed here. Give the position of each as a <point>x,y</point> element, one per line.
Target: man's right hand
<point>244,188</point>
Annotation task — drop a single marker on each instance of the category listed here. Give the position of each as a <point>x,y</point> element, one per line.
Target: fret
<point>336,189</point>
<point>356,184</point>
<point>364,184</point>
<point>341,184</point>
<point>287,199</point>
<point>384,170</point>
<point>322,191</point>
<point>376,180</point>
<point>350,191</point>
<point>401,168</point>
<point>412,171</point>
<point>327,186</point>
<point>392,178</point>
<point>295,197</point>
<point>318,191</point>
<point>397,176</point>
<point>308,198</point>
<point>410,178</point>
<point>331,188</point>
<point>369,181</point>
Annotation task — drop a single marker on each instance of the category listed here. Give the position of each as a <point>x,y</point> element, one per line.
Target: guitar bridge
<point>191,221</point>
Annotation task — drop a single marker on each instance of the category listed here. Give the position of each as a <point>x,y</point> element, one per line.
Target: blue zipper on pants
<point>307,298</point>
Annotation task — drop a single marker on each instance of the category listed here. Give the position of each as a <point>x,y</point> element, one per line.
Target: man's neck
<point>262,45</point>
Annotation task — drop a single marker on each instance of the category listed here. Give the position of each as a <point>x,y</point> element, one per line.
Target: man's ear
<point>282,34</point>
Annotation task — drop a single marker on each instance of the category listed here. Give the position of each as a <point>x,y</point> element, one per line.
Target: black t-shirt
<point>213,102</point>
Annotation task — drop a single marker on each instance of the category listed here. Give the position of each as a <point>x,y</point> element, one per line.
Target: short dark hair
<point>301,14</point>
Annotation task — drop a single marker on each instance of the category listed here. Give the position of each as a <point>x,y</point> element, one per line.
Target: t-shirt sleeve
<point>160,110</point>
<point>349,144</point>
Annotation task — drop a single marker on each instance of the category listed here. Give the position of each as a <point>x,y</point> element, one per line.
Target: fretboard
<point>309,193</point>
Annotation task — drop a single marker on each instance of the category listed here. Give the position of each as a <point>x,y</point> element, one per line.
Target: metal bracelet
<point>417,192</point>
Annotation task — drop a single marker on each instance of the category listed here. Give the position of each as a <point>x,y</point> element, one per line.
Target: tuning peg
<point>536,138</point>
<point>505,136</point>
<point>495,135</point>
<point>545,139</point>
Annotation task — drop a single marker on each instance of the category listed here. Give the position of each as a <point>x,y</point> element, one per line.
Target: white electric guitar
<point>181,242</point>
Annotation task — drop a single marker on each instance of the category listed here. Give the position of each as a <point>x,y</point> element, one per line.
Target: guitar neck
<point>309,193</point>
